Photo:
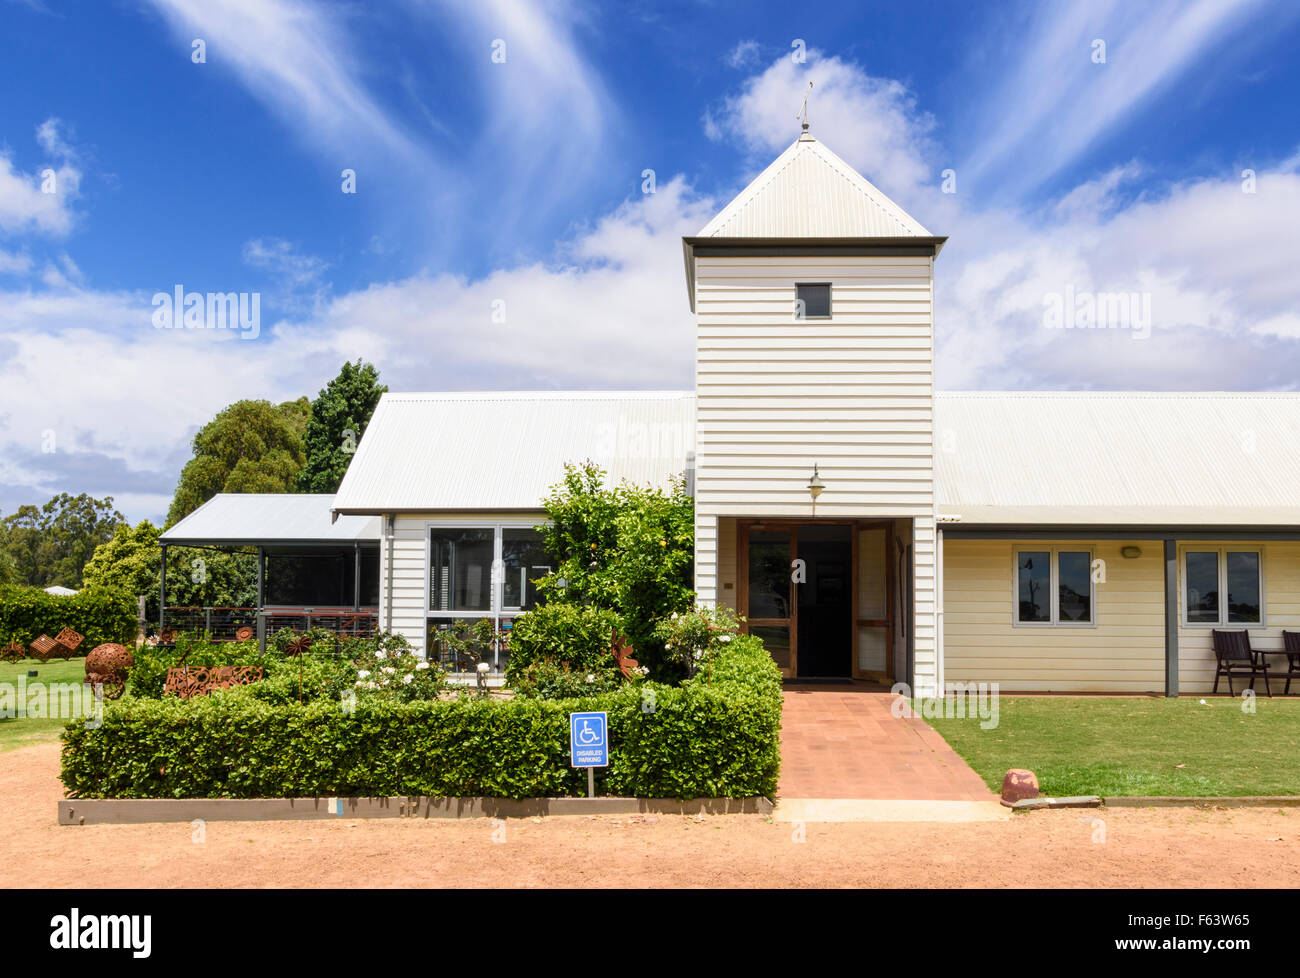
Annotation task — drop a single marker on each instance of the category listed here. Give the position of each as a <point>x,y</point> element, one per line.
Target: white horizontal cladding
<point>852,393</point>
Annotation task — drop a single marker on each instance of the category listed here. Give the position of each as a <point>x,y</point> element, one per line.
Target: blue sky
<point>518,184</point>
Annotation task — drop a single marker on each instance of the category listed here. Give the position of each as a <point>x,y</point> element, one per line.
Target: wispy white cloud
<point>294,56</point>
<point>1059,99</point>
<point>41,201</point>
<point>744,54</point>
<point>284,261</point>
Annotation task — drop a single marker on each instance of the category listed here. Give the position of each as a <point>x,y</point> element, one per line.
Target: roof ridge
<point>538,395</point>
<point>1100,395</point>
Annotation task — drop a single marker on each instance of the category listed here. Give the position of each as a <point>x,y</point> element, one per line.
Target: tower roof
<point>809,192</point>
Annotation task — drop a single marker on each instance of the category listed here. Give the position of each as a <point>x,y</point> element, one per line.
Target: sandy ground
<point>1128,847</point>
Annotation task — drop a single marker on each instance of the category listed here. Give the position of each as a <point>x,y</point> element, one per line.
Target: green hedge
<point>714,737</point>
<point>99,614</point>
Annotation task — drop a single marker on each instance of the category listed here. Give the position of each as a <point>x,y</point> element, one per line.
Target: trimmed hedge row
<point>704,739</point>
<point>99,614</point>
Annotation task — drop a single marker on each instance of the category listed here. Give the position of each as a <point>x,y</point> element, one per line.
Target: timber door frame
<point>791,624</point>
<point>888,621</point>
<point>791,526</point>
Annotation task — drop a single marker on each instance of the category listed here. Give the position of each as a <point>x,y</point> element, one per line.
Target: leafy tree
<point>250,446</point>
<point>339,416</point>
<point>629,549</point>
<point>51,544</point>
<point>132,561</point>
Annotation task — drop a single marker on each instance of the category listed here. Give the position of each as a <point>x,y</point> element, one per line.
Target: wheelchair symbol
<point>588,737</point>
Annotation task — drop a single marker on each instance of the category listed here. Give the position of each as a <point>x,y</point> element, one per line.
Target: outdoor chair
<point>1291,642</point>
<point>1236,657</point>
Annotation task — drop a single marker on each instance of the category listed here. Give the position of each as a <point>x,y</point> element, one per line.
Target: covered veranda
<point>312,571</point>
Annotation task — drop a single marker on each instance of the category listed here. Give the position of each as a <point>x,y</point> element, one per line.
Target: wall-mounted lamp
<point>1131,552</point>
<point>815,486</point>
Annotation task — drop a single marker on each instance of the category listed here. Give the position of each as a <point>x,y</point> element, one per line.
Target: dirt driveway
<point>1167,847</point>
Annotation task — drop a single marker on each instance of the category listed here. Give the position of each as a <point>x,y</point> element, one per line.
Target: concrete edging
<point>1066,801</point>
<point>132,811</point>
<point>1179,801</point>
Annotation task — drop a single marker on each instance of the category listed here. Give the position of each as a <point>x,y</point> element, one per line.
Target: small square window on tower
<point>812,300</point>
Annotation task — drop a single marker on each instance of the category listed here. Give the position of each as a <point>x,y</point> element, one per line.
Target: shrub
<point>549,680</point>
<point>99,614</point>
<point>563,633</point>
<point>393,672</point>
<point>627,548</point>
<point>718,735</point>
<point>692,639</point>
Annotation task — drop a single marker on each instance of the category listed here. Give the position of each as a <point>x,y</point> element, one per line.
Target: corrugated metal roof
<point>809,192</point>
<point>1119,458</point>
<point>251,518</point>
<point>503,451</point>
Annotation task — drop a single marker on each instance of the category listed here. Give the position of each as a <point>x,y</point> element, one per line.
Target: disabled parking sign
<point>589,739</point>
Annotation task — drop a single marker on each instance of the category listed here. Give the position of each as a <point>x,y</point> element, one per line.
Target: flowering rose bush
<point>392,671</point>
<point>691,639</point>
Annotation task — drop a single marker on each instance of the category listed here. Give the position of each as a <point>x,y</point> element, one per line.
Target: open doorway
<point>818,595</point>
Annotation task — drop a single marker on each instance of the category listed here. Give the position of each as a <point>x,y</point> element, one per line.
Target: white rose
<point>408,677</point>
<point>389,669</point>
<point>363,674</point>
<point>422,664</point>
<point>724,639</point>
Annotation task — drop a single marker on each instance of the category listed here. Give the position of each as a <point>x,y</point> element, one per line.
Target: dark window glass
<point>814,301</point>
<point>1243,587</point>
<point>769,574</point>
<point>525,560</point>
<point>1074,584</point>
<point>776,639</point>
<point>460,569</point>
<point>369,578</point>
<point>1202,587</point>
<point>309,580</point>
<point>1034,586</point>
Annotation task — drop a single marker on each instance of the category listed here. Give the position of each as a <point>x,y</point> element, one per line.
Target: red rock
<point>1019,784</point>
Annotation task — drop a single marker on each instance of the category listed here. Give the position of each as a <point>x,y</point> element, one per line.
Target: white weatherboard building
<point>865,526</point>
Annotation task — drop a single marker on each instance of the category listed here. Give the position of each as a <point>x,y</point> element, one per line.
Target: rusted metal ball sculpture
<point>109,664</point>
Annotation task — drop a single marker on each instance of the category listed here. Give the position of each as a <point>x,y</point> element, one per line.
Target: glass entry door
<point>767,598</point>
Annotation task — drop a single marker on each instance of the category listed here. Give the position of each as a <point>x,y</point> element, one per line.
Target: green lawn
<point>1137,746</point>
<point>18,732</point>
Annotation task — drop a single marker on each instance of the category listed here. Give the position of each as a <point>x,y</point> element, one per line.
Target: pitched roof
<point>1151,459</point>
<point>504,450</point>
<point>809,192</point>
<point>239,519</point>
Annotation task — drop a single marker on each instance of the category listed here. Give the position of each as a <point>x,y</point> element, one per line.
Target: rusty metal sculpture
<point>43,648</point>
<point>68,641</point>
<point>190,681</point>
<point>298,645</point>
<point>243,633</point>
<point>109,664</point>
<point>623,654</point>
<point>13,652</point>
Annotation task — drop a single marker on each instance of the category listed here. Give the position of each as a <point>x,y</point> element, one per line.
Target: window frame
<point>830,301</point>
<point>1222,553</point>
<point>496,601</point>
<point>1054,585</point>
